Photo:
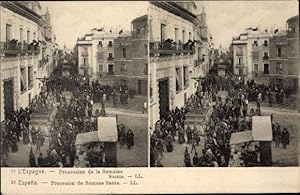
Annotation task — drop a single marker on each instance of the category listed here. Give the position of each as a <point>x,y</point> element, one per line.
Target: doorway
<point>111,69</point>
<point>8,97</point>
<point>163,90</point>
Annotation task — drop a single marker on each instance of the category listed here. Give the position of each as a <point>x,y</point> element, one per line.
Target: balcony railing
<point>84,66</point>
<point>15,48</point>
<point>240,65</point>
<point>265,57</point>
<point>168,48</point>
<point>110,58</point>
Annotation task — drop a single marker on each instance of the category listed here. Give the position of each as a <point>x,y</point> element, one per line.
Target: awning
<point>107,132</point>
<point>86,138</point>
<point>107,129</point>
<point>262,128</point>
<point>241,137</point>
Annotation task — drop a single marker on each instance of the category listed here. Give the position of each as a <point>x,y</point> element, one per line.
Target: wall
<point>159,16</point>
<point>17,22</point>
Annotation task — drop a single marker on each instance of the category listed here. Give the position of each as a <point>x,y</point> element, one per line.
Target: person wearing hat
<point>285,138</point>
<point>130,139</point>
<point>196,160</point>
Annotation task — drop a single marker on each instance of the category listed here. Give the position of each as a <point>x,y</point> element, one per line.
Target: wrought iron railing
<point>170,48</point>
<point>14,48</point>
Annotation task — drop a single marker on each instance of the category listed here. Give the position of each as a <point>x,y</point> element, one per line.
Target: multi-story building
<point>21,39</point>
<point>293,51</point>
<point>251,55</point>
<point>202,48</point>
<point>96,53</point>
<point>171,57</point>
<point>131,57</point>
<point>269,57</point>
<point>279,69</point>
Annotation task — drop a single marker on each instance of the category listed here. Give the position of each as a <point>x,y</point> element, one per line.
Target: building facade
<point>131,57</point>
<point>96,53</point>
<point>269,57</point>
<point>293,51</point>
<point>251,55</point>
<point>171,57</point>
<point>20,54</point>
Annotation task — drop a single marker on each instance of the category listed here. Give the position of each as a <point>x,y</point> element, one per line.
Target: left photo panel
<point>74,84</point>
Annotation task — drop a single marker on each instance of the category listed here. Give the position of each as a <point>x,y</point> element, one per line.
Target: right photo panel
<point>223,79</point>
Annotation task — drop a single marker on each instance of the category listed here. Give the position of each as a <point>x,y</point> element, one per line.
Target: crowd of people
<point>74,114</point>
<point>224,116</point>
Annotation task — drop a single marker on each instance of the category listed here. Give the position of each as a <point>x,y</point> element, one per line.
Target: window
<point>146,69</point>
<point>185,76</point>
<point>100,44</point>
<point>100,67</point>
<point>183,36</point>
<point>266,56</point>
<point>241,72</point>
<point>255,43</point>
<point>255,67</point>
<point>176,35</point>
<point>124,53</point>
<point>30,77</point>
<point>23,80</point>
<point>138,31</point>
<point>110,56</point>
<point>8,32</point>
<point>123,68</point>
<point>265,43</point>
<point>85,61</point>
<point>279,52</point>
<point>240,61</point>
<point>162,32</point>
<point>84,51</point>
<point>28,36</point>
<point>21,35</point>
<point>85,72</point>
<point>146,49</point>
<point>110,44</point>
<point>239,51</point>
<point>255,55</point>
<point>178,80</point>
<point>266,68</point>
<point>278,68</point>
<point>190,36</point>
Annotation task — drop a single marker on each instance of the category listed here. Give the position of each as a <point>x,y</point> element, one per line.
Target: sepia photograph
<point>74,84</point>
<point>224,79</point>
<point>112,97</point>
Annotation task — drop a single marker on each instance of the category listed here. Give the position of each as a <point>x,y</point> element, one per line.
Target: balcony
<point>15,48</point>
<point>84,66</point>
<point>265,57</point>
<point>110,58</point>
<point>240,65</point>
<point>168,48</point>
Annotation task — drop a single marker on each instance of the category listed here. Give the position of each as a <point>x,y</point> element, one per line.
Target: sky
<point>71,20</point>
<point>225,19</point>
